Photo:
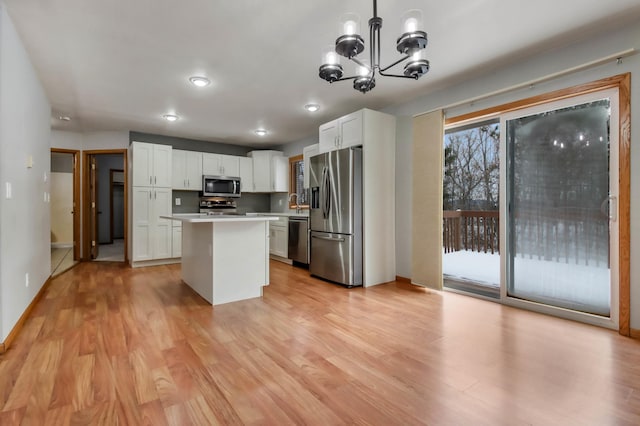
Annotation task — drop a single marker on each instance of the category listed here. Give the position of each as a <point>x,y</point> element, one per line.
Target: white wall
<point>539,66</point>
<point>61,188</point>
<point>24,219</point>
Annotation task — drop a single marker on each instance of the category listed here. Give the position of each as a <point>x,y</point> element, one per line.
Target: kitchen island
<point>225,258</point>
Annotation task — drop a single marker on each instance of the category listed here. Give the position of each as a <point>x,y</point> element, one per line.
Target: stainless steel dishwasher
<point>299,239</point>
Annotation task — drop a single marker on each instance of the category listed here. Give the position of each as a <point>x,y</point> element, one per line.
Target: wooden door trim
<point>76,198</point>
<point>622,82</point>
<point>86,204</point>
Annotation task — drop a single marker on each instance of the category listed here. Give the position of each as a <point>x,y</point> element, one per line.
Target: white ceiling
<point>122,64</point>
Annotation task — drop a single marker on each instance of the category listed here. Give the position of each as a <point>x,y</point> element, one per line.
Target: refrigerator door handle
<point>337,240</point>
<point>324,196</point>
<point>327,198</point>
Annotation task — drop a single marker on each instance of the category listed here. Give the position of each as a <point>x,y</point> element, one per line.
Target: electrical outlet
<point>178,202</point>
<point>9,195</point>
<point>26,279</point>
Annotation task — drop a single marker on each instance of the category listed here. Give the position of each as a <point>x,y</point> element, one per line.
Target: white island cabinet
<point>225,258</point>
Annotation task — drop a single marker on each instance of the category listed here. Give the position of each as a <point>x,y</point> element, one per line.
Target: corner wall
<point>24,164</point>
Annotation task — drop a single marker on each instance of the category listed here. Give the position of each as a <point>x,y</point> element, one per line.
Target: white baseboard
<point>61,245</point>
<point>281,259</point>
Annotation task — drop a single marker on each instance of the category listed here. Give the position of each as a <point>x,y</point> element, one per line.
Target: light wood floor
<point>61,260</point>
<point>113,345</point>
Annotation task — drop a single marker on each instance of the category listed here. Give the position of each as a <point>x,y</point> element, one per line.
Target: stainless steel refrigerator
<point>336,216</point>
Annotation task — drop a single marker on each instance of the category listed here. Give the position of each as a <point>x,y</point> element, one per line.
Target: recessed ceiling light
<point>261,132</point>
<point>199,81</point>
<point>312,107</point>
<point>64,118</point>
<point>170,117</point>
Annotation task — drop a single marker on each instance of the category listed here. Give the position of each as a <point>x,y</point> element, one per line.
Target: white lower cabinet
<point>151,235</point>
<point>279,237</point>
<point>176,239</point>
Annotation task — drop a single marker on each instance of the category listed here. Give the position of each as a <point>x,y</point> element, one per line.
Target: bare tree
<point>472,168</point>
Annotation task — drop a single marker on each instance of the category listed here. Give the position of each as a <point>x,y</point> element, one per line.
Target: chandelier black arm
<point>347,78</point>
<point>357,61</point>
<point>399,76</point>
<point>394,64</point>
<point>372,40</point>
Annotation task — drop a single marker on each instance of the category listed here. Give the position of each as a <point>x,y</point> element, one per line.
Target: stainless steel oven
<point>217,205</point>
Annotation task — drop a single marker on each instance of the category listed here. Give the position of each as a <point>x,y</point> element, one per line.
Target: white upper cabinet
<point>220,165</point>
<point>187,170</point>
<point>328,136</point>
<point>307,153</point>
<point>341,133</point>
<point>270,171</point>
<point>280,174</point>
<point>151,164</point>
<point>246,174</point>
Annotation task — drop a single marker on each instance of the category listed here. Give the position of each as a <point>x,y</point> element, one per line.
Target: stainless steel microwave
<point>220,186</point>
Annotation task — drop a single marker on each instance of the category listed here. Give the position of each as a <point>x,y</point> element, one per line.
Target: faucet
<point>298,210</point>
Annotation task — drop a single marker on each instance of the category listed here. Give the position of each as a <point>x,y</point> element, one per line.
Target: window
<point>296,183</point>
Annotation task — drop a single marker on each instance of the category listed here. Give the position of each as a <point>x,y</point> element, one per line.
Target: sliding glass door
<point>560,200</point>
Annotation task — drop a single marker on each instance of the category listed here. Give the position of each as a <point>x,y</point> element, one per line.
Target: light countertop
<point>200,217</point>
<point>304,213</point>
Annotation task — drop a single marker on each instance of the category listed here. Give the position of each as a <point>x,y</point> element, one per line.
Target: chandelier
<point>410,44</point>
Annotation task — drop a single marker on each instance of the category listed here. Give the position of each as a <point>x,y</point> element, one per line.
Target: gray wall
<point>25,222</point>
<point>191,144</point>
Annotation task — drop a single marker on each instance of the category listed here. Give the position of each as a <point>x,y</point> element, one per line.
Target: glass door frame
<point>614,191</point>
<point>621,83</point>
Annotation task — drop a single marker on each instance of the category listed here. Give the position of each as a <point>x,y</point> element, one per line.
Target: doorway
<point>105,205</point>
<point>471,219</point>
<point>65,218</point>
<point>563,208</point>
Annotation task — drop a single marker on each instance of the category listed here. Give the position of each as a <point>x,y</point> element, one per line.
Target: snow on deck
<point>577,286</point>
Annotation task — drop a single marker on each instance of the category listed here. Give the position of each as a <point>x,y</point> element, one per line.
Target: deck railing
<point>471,230</point>
<point>578,236</point>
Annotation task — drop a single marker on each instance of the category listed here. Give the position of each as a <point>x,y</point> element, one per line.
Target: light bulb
<point>331,58</point>
<point>349,27</point>
<point>411,21</point>
<point>411,25</point>
<point>363,71</point>
<point>350,24</point>
<point>199,81</point>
